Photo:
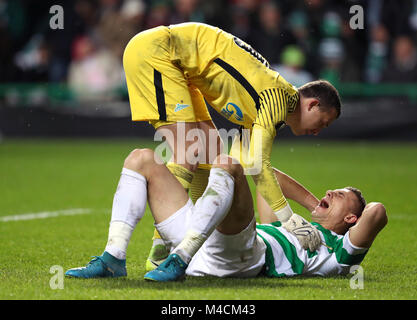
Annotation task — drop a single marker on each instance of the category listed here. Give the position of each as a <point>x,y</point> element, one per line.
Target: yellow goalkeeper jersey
<point>233,78</point>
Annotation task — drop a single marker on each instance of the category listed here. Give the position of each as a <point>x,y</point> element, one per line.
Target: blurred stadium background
<point>70,81</point>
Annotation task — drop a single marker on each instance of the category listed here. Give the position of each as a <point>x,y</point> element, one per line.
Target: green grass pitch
<point>54,175</point>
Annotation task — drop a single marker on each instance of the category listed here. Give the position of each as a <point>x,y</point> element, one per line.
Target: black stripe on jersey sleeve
<point>281,103</point>
<point>262,113</point>
<point>241,79</point>
<point>275,111</point>
<point>268,108</point>
<point>273,103</point>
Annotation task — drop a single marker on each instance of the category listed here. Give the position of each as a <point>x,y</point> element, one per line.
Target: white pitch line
<point>45,214</point>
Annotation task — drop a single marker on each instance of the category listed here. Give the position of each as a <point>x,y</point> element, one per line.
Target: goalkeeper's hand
<point>306,233</point>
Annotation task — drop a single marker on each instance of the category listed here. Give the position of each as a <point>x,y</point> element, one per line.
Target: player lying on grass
<point>171,73</point>
<point>218,235</point>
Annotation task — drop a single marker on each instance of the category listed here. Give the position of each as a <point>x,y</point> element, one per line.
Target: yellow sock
<point>200,180</point>
<point>183,175</point>
<point>156,235</point>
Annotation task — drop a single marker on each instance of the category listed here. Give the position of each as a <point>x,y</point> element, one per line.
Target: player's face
<point>313,119</point>
<point>335,206</point>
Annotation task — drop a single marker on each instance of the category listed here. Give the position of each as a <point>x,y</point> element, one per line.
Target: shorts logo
<point>231,109</point>
<point>180,106</point>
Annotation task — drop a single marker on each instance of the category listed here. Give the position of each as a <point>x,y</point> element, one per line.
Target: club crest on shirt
<point>180,106</point>
<point>232,109</point>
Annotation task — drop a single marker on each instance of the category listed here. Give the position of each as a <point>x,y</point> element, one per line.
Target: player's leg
<point>213,206</point>
<point>129,203</point>
<point>142,179</point>
<point>194,145</point>
<point>182,165</point>
<point>213,146</point>
<point>208,212</point>
<point>212,143</point>
<point>241,213</point>
<point>166,196</point>
<point>233,249</point>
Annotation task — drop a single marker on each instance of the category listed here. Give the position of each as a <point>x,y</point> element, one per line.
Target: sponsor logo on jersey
<point>232,109</point>
<point>180,106</point>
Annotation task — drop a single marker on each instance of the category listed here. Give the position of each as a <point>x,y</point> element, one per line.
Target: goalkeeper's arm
<point>291,189</point>
<point>266,181</point>
<point>269,187</point>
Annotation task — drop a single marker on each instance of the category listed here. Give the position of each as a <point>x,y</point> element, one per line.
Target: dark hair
<point>323,91</point>
<point>361,200</point>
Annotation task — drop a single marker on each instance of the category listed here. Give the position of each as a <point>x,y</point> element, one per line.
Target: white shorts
<point>239,255</point>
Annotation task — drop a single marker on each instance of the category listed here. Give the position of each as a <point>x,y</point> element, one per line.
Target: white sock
<point>208,212</point>
<point>189,246</point>
<point>119,237</point>
<point>129,204</point>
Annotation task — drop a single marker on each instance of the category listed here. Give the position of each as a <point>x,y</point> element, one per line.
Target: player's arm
<point>372,221</point>
<point>294,190</point>
<point>254,155</point>
<point>272,111</point>
<point>291,189</point>
<point>266,181</point>
<point>268,186</point>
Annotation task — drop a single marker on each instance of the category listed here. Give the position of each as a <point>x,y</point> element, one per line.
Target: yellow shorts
<point>158,90</point>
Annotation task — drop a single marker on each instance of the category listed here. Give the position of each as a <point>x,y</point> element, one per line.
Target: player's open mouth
<point>323,203</point>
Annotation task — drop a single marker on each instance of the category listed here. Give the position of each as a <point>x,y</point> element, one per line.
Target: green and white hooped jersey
<point>284,256</point>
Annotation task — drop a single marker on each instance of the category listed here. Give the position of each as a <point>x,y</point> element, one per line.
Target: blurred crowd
<point>302,39</point>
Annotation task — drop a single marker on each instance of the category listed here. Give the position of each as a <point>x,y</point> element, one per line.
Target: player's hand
<point>306,233</point>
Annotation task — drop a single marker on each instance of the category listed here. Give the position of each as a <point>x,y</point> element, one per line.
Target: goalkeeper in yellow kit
<point>173,72</point>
